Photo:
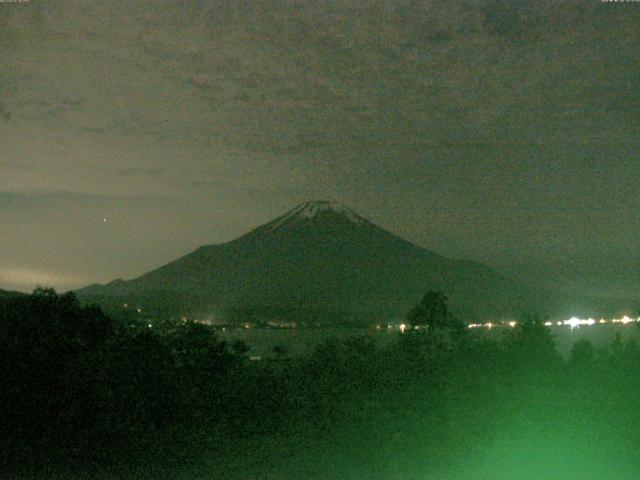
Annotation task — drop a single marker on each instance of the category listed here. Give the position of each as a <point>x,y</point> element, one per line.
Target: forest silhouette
<point>88,396</point>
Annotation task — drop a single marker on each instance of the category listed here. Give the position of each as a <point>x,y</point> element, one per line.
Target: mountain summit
<point>316,211</point>
<point>319,263</point>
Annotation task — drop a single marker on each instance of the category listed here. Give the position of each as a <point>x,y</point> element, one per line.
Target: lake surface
<point>302,341</point>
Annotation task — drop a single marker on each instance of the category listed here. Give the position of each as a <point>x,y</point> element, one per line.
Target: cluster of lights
<point>578,322</point>
<point>402,327</point>
<point>572,323</point>
<point>490,325</point>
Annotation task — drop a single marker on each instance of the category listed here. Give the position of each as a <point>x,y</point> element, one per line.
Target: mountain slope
<point>320,262</point>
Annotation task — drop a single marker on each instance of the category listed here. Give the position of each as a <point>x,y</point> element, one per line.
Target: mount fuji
<point>320,263</point>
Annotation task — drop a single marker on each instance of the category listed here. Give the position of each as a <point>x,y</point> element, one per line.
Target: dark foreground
<point>85,396</point>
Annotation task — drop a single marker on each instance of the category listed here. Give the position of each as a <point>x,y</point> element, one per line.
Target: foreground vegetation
<point>85,396</point>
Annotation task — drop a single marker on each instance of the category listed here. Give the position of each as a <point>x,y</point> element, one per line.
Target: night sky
<point>499,131</point>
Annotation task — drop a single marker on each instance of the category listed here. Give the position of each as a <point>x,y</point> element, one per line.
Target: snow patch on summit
<point>310,210</point>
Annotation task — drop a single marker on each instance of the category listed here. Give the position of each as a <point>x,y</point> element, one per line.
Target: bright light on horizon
<point>572,323</point>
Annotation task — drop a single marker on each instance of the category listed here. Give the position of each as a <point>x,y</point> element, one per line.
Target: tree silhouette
<point>532,342</point>
<point>432,311</point>
<point>280,351</point>
<point>583,353</point>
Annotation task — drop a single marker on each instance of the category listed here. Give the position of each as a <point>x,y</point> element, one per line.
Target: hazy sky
<point>500,131</point>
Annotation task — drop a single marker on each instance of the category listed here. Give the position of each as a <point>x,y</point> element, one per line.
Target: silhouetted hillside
<point>84,396</point>
<point>9,294</point>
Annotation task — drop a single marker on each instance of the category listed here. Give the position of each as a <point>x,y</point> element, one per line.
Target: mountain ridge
<point>323,263</point>
<point>9,294</point>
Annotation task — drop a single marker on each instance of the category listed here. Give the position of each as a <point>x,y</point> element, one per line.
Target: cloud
<point>259,81</point>
<point>141,171</point>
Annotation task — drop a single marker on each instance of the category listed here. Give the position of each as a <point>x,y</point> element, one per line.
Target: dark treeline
<point>85,396</point>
